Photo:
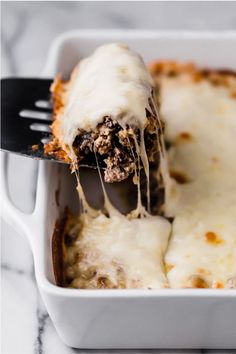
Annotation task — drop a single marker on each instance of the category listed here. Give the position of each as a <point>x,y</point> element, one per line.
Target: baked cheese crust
<point>199,110</point>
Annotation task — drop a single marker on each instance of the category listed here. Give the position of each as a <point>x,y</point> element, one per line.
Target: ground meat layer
<point>114,147</point>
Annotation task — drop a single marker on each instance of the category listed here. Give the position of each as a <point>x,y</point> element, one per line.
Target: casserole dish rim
<point>105,33</point>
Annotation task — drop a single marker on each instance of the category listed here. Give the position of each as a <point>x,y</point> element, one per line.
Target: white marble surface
<point>27,31</point>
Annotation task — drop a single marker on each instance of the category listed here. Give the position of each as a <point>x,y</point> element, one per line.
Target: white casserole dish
<point>191,318</point>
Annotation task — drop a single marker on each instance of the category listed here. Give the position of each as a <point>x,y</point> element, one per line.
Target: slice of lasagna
<point>107,108</point>
<point>199,110</point>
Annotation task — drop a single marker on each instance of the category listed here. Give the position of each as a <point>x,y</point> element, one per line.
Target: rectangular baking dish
<point>167,318</point>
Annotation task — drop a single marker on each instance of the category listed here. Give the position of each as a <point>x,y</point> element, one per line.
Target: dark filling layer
<point>115,147</point>
<point>118,157</point>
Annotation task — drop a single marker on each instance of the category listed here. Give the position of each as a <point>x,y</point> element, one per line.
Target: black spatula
<point>26,115</point>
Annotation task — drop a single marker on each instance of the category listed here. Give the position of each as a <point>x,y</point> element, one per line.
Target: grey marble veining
<point>28,29</point>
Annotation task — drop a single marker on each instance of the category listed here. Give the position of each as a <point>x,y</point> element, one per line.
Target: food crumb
<point>35,147</point>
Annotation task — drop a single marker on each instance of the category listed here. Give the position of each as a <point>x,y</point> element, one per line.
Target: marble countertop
<point>27,31</point>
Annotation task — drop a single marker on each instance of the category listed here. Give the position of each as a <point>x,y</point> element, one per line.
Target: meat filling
<point>114,147</point>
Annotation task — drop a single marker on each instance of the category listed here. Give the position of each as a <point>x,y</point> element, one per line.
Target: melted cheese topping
<point>113,82</point>
<point>127,252</point>
<point>201,124</point>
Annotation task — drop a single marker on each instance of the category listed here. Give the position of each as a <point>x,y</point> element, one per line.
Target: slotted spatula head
<point>26,115</point>
<point>23,122</point>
